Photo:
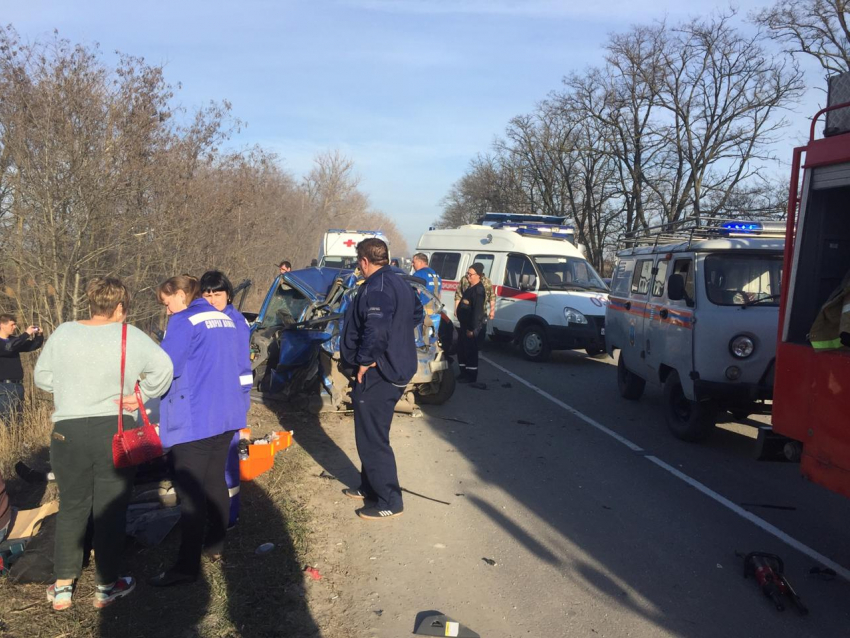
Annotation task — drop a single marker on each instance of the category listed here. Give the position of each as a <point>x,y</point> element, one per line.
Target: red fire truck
<point>812,386</point>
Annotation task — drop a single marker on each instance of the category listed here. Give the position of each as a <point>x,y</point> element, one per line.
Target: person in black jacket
<point>470,315</point>
<point>378,340</point>
<point>11,370</point>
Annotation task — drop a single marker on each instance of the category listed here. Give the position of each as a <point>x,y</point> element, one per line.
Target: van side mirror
<point>676,288</point>
<point>526,282</point>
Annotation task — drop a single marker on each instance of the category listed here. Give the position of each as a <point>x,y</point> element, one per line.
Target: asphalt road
<point>590,519</point>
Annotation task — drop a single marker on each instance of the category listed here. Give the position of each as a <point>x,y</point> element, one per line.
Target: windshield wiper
<point>747,304</point>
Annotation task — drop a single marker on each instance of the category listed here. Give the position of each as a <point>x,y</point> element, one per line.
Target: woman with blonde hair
<point>81,367</point>
<point>199,414</point>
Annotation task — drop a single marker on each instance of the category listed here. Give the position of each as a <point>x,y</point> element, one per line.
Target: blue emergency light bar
<point>743,227</point>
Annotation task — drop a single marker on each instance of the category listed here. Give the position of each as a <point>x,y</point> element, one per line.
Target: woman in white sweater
<point>81,366</point>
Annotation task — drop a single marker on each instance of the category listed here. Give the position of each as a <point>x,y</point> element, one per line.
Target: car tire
<point>740,415</point>
<point>594,351</point>
<point>688,420</point>
<point>630,385</point>
<point>444,392</point>
<point>534,343</point>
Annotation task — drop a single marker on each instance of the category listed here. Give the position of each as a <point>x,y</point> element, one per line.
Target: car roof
<point>484,239</point>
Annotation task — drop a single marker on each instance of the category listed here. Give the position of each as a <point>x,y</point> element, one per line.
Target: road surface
<point>546,505</point>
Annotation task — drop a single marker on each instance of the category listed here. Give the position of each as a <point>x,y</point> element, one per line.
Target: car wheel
<point>594,351</point>
<point>739,415</point>
<point>534,344</point>
<point>688,420</point>
<point>444,392</point>
<point>630,385</point>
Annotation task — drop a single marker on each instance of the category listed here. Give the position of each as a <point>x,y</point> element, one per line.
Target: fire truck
<point>812,382</point>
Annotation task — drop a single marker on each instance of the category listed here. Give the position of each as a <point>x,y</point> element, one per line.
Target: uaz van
<point>695,309</point>
<point>548,297</point>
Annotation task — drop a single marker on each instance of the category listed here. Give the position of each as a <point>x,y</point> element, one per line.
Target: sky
<point>410,90</point>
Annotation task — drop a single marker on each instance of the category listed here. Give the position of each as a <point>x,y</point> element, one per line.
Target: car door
<point>658,317</point>
<point>517,293</point>
<point>637,309</point>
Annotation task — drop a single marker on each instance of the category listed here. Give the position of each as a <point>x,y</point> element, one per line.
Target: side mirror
<point>676,288</point>
<point>526,282</point>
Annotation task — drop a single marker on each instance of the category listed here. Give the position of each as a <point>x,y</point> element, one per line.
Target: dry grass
<point>247,596</point>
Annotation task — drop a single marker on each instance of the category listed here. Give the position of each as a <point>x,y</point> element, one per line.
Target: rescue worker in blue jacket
<point>471,317</point>
<point>199,414</point>
<point>427,274</point>
<point>217,289</point>
<point>378,340</point>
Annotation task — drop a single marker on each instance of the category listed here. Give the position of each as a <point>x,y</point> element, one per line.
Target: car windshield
<point>743,280</point>
<point>569,272</point>
<point>286,307</point>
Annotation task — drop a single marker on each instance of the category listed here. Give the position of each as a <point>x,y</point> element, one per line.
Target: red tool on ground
<point>768,571</point>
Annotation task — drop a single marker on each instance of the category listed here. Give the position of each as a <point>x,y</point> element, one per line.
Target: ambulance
<point>548,296</point>
<point>339,247</point>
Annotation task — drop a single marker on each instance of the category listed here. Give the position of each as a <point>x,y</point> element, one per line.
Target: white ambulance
<point>339,247</point>
<point>548,296</point>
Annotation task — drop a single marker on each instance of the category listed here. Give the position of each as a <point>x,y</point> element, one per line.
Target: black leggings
<point>198,470</point>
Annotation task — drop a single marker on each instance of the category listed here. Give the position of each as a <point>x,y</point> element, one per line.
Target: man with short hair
<point>284,267</point>
<point>470,315</point>
<point>11,370</point>
<point>378,340</point>
<point>427,274</point>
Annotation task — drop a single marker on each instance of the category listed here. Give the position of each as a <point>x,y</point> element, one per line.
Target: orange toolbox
<point>260,457</point>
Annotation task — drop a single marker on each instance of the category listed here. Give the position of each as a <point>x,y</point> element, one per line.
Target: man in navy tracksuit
<point>378,339</point>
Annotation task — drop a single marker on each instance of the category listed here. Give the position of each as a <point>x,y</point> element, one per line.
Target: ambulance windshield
<point>743,280</point>
<point>569,272</point>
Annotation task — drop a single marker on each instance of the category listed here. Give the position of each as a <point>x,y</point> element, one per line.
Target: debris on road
<point>768,570</point>
<point>490,561</point>
<point>312,572</point>
<point>327,475</point>
<point>431,623</point>
<point>265,548</point>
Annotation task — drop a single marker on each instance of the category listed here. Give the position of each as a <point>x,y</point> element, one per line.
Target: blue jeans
<point>11,401</point>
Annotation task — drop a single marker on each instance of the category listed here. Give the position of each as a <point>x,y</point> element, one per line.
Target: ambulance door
<point>637,312</point>
<point>517,293</point>
<point>658,316</point>
<point>447,265</point>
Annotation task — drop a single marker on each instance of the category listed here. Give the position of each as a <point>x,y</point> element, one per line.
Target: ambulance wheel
<point>444,391</point>
<point>534,344</point>
<point>630,385</point>
<point>688,420</point>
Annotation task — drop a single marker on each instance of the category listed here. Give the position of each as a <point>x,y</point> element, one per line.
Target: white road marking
<point>725,502</point>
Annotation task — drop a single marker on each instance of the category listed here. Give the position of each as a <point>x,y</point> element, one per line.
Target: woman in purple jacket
<point>199,414</point>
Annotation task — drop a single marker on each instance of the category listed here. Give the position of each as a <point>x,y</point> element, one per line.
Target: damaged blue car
<point>295,342</point>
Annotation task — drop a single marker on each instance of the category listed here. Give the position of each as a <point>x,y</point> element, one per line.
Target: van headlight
<point>742,347</point>
<point>574,316</point>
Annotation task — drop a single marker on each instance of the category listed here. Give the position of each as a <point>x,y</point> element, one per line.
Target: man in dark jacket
<point>470,315</point>
<point>378,340</point>
<point>11,370</point>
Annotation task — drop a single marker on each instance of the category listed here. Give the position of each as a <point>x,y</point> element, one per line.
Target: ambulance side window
<point>660,279</point>
<point>518,271</point>
<point>685,267</point>
<point>445,265</point>
<point>642,277</point>
<point>486,261</point>
<point>622,277</point>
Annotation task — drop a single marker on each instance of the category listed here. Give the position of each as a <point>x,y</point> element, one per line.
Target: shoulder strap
<point>121,394</point>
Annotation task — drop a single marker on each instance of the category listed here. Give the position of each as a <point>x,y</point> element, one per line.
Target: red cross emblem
<point>349,242</point>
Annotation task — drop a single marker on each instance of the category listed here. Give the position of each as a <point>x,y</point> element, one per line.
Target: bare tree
<point>817,28</point>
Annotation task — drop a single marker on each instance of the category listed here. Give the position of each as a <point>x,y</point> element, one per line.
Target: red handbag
<point>139,445</point>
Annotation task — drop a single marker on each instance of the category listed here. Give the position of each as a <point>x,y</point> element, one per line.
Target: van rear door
<point>516,297</point>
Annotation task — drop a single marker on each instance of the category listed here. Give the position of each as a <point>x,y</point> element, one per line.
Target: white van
<point>694,307</point>
<point>548,297</point>
<point>339,247</point>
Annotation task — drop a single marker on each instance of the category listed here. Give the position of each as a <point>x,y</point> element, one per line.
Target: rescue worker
<point>427,274</point>
<point>831,329</point>
<point>470,315</point>
<point>378,340</point>
<point>489,297</point>
<point>11,370</point>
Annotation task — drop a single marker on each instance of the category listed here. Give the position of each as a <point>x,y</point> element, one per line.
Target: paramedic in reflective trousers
<point>378,340</point>
<point>470,315</point>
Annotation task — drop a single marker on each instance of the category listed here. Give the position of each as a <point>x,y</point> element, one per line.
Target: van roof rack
<point>695,228</point>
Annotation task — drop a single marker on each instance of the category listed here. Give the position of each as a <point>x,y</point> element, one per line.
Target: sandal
<point>61,597</point>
